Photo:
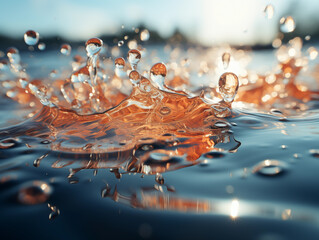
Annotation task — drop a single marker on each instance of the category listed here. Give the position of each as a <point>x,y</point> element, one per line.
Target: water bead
<point>41,46</point>
<point>65,49</point>
<point>13,55</point>
<point>133,57</point>
<point>287,24</point>
<point>119,63</point>
<point>120,43</point>
<point>226,59</point>
<point>134,77</point>
<point>34,192</point>
<point>31,37</point>
<point>269,11</point>
<point>228,86</point>
<point>145,35</point>
<point>158,74</point>
<point>93,46</point>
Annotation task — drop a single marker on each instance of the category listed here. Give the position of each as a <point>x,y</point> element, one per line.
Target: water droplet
<point>287,24</point>
<point>133,57</point>
<point>93,46</point>
<point>134,77</point>
<point>159,178</point>
<point>8,143</point>
<point>228,86</point>
<point>165,110</point>
<point>119,63</point>
<point>31,37</point>
<point>120,43</point>
<point>158,74</point>
<point>314,152</point>
<point>65,49</point>
<point>313,53</point>
<point>226,59</point>
<point>55,212</point>
<point>269,11</point>
<point>307,38</point>
<point>270,167</point>
<point>41,46</point>
<point>213,155</point>
<point>36,163</point>
<point>34,192</point>
<point>145,35</point>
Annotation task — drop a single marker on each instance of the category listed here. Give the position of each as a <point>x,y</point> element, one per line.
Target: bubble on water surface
<point>270,167</point>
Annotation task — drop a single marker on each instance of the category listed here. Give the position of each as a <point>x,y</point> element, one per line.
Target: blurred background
<point>206,22</point>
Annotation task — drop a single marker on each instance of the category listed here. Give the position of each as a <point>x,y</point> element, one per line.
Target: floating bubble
<point>158,74</point>
<point>226,59</point>
<point>65,49</point>
<point>41,46</point>
<point>135,77</point>
<point>93,46</point>
<point>120,43</point>
<point>228,86</point>
<point>269,11</point>
<point>34,192</point>
<point>31,37</point>
<point>145,35</point>
<point>287,24</point>
<point>270,167</point>
<point>133,57</point>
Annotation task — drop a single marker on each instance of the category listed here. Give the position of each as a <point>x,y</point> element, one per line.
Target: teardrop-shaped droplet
<point>226,59</point>
<point>228,86</point>
<point>133,57</point>
<point>287,24</point>
<point>269,11</point>
<point>119,63</point>
<point>270,167</point>
<point>158,74</point>
<point>65,49</point>
<point>93,46</point>
<point>34,192</point>
<point>31,37</point>
<point>145,35</point>
<point>135,77</point>
<point>41,46</point>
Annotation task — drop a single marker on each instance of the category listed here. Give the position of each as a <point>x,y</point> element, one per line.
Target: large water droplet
<point>287,24</point>
<point>93,46</point>
<point>135,77</point>
<point>145,35</point>
<point>158,74</point>
<point>133,57</point>
<point>228,86</point>
<point>34,192</point>
<point>65,49</point>
<point>31,37</point>
<point>270,167</point>
<point>269,11</point>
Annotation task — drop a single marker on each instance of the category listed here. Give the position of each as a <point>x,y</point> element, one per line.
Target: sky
<point>206,21</point>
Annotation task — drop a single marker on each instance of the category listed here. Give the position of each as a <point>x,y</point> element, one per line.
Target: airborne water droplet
<point>31,37</point>
<point>269,11</point>
<point>158,74</point>
<point>133,57</point>
<point>41,46</point>
<point>226,59</point>
<point>93,46</point>
<point>287,24</point>
<point>120,43</point>
<point>145,35</point>
<point>34,192</point>
<point>135,77</point>
<point>65,49</point>
<point>228,86</point>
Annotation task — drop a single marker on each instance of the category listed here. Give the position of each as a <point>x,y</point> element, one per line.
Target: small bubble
<point>65,49</point>
<point>307,38</point>
<point>228,86</point>
<point>283,146</point>
<point>31,37</point>
<point>41,46</point>
<point>221,124</point>
<point>269,11</point>
<point>34,192</point>
<point>132,44</point>
<point>270,167</point>
<point>7,143</point>
<point>287,24</point>
<point>120,43</point>
<point>159,178</point>
<point>230,189</point>
<point>145,35</point>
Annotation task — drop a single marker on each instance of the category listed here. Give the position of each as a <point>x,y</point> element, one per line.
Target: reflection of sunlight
<point>234,208</point>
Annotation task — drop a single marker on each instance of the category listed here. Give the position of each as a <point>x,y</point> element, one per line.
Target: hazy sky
<point>208,21</point>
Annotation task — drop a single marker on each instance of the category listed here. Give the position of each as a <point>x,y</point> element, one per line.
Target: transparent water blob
<point>145,35</point>
<point>31,37</point>
<point>14,58</point>
<point>41,46</point>
<point>134,77</point>
<point>269,11</point>
<point>158,74</point>
<point>120,43</point>
<point>228,86</point>
<point>226,59</point>
<point>93,46</point>
<point>287,24</point>
<point>133,57</point>
<point>65,49</point>
<point>119,67</point>
<point>270,167</point>
<point>34,192</point>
